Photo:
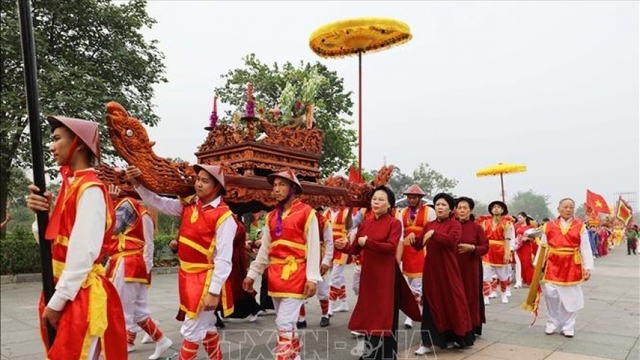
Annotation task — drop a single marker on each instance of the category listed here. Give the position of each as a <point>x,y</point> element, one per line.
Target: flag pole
<point>33,111</point>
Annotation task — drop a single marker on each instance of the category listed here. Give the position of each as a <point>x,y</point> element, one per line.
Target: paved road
<point>608,328</point>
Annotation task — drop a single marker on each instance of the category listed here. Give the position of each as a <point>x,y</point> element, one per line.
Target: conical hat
<point>213,170</point>
<point>288,175</point>
<point>414,190</point>
<point>86,130</point>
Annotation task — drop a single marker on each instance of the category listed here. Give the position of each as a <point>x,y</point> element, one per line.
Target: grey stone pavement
<point>608,327</point>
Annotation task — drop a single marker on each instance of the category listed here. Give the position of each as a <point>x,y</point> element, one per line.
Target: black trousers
<point>265,300</point>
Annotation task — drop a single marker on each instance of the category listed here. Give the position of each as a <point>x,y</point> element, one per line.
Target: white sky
<point>553,85</point>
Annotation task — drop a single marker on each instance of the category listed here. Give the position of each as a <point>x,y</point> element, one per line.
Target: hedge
<point>20,254</point>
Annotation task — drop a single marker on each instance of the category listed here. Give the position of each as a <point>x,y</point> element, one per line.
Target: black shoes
<point>324,322</point>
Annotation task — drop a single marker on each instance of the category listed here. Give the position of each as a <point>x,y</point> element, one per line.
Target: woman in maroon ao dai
<point>383,289</point>
<point>473,245</point>
<point>445,315</point>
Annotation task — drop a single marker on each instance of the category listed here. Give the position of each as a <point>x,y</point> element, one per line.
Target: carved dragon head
<point>127,134</point>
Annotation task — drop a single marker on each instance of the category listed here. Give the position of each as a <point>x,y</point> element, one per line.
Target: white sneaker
<point>493,295</point>
<point>253,318</point>
<point>130,348</point>
<point>486,300</point>
<point>422,350</point>
<point>356,334</point>
<point>518,285</point>
<point>550,328</point>
<point>343,307</point>
<point>567,333</point>
<point>161,346</point>
<point>408,323</point>
<point>505,299</point>
<point>508,292</point>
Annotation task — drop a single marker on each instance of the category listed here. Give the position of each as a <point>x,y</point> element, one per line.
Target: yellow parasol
<point>356,37</point>
<point>501,169</point>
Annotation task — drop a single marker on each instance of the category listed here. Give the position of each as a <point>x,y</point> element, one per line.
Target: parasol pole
<point>360,113</point>
<point>33,111</point>
<point>502,187</point>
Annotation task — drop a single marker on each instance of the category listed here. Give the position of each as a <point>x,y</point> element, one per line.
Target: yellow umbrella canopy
<point>356,37</point>
<point>501,169</point>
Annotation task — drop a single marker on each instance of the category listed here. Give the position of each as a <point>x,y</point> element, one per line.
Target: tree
<point>399,182</point>
<point>431,181</point>
<point>581,211</point>
<point>83,63</point>
<point>481,208</point>
<point>332,105</point>
<point>535,205</point>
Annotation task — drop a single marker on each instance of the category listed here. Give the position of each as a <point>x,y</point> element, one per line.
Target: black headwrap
<point>446,197</point>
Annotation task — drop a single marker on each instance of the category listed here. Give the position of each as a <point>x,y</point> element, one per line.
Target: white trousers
<point>133,296</point>
<point>557,314</point>
<point>501,272</point>
<point>287,311</point>
<point>356,279</point>
<point>518,267</point>
<point>322,289</point>
<point>415,284</point>
<point>338,279</point>
<point>195,330</point>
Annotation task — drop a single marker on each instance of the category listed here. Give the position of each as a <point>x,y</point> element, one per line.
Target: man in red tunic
<point>414,218</point>
<point>85,307</point>
<point>290,251</point>
<point>569,263</point>
<point>129,268</point>
<point>205,247</point>
<point>498,227</point>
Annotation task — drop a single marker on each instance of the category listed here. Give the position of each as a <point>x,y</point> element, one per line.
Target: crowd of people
<point>437,264</point>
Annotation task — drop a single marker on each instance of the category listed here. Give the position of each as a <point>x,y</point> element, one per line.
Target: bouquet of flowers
<point>295,102</point>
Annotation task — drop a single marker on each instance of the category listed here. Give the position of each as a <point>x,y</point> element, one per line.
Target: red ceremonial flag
<point>596,204</point>
<point>624,211</point>
<point>354,175</point>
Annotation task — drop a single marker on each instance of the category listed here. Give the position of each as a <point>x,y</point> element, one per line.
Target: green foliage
<point>84,61</point>
<point>167,224</point>
<point>332,103</point>
<point>19,254</point>
<point>480,208</point>
<point>535,205</point>
<point>162,254</point>
<point>581,211</point>
<point>429,180</point>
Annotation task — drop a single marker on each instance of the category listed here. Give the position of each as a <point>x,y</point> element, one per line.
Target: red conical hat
<point>288,175</point>
<point>213,170</point>
<point>86,130</point>
<point>414,190</point>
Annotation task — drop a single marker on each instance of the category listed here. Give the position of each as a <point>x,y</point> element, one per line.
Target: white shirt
<point>224,235</point>
<point>327,235</point>
<point>148,227</point>
<point>312,235</point>
<point>85,243</point>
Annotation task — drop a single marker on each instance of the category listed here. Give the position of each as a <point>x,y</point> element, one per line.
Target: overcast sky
<point>552,85</point>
